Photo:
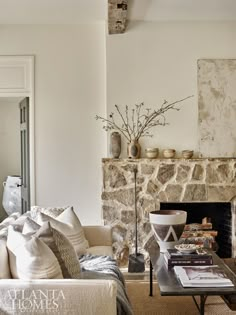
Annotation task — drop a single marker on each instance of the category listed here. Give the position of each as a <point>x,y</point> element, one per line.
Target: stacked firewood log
<point>200,234</point>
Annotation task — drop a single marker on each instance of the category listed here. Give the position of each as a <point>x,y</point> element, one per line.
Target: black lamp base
<point>136,263</point>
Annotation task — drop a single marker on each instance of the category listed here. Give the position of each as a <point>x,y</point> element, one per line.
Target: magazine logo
<point>34,301</point>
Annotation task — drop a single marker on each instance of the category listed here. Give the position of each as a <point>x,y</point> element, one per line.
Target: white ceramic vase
<point>168,226</point>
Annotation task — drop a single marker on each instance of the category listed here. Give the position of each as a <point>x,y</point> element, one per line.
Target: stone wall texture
<point>158,180</point>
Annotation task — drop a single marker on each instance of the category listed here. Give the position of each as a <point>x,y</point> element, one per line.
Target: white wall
<point>150,62</point>
<point>158,60</point>
<point>9,142</point>
<point>69,92</point>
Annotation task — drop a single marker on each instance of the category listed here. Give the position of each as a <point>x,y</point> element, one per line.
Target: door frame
<point>17,80</point>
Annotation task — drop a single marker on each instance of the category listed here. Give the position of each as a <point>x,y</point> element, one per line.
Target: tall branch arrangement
<point>137,121</point>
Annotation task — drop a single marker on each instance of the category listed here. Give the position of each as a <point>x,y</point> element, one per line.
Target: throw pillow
<point>5,269</point>
<point>31,258</point>
<point>50,211</point>
<point>59,244</point>
<point>19,223</point>
<point>30,226</point>
<point>68,224</point>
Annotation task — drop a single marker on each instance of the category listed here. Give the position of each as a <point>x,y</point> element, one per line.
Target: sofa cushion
<point>31,258</point>
<point>100,250</point>
<point>98,235</point>
<point>68,224</point>
<point>50,211</point>
<point>59,244</point>
<point>5,269</point>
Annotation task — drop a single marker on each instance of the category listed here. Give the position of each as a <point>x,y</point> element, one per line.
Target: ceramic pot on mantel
<point>133,149</point>
<point>115,144</point>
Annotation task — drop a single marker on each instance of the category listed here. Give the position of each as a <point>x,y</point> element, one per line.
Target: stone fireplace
<point>162,181</point>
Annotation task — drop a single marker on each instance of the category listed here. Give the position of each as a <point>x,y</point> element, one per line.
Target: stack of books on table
<point>175,258</point>
<point>202,276</point>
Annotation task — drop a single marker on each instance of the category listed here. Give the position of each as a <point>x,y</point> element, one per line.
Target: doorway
<point>10,142</point>
<point>16,83</point>
<point>14,157</point>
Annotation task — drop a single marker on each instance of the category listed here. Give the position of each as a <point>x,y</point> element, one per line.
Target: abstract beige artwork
<point>217,107</point>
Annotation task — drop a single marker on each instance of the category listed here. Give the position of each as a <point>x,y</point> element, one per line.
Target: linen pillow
<point>5,269</point>
<point>19,223</point>
<point>68,224</point>
<point>30,226</point>
<point>59,244</point>
<point>31,258</point>
<point>50,211</point>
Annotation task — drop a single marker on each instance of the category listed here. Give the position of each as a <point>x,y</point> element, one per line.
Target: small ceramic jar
<point>151,153</point>
<point>187,154</point>
<point>169,153</point>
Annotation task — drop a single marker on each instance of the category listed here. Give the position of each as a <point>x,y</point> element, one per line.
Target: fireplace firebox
<point>221,219</point>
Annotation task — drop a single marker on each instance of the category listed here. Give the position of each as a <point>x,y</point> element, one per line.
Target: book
<point>202,276</point>
<point>198,254</point>
<point>171,262</point>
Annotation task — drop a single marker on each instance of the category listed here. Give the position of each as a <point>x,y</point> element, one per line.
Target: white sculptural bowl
<point>168,226</point>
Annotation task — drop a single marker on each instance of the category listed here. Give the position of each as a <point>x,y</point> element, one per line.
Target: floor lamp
<point>136,260</point>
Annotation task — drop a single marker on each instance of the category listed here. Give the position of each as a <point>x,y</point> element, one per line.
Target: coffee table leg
<point>201,305</point>
<point>150,279</point>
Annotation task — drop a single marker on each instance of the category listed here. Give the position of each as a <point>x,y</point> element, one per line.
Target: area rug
<point>143,304</point>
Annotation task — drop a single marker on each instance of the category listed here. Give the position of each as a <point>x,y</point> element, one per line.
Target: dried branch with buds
<point>140,120</point>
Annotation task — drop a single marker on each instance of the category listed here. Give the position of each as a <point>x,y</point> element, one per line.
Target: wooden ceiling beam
<point>117,16</point>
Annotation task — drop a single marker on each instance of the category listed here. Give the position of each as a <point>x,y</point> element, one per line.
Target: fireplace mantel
<point>159,180</point>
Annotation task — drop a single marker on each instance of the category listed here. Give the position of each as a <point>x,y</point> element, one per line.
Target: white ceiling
<point>80,11</point>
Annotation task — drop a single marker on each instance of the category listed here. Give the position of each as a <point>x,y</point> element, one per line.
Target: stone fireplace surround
<point>160,180</point>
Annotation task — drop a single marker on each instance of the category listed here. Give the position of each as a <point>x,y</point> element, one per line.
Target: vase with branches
<point>137,121</point>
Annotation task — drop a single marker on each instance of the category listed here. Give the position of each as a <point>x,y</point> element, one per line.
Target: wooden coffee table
<point>170,286</point>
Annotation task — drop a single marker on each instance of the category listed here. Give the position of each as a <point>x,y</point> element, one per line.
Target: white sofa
<point>62,296</point>
<point>99,239</point>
